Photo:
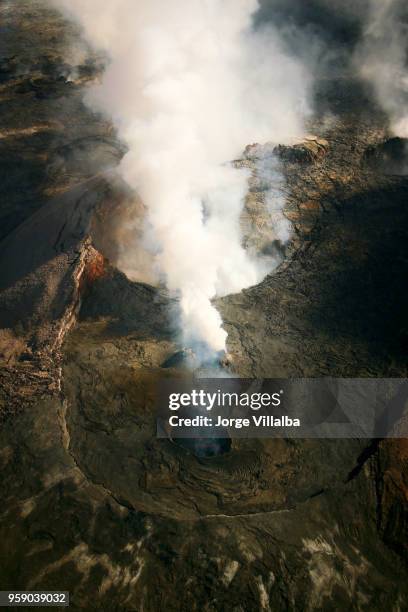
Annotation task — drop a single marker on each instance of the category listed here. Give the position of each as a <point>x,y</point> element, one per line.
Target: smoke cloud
<point>189,84</point>
<point>382,59</point>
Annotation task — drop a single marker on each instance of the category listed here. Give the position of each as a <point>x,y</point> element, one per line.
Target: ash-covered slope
<point>93,503</point>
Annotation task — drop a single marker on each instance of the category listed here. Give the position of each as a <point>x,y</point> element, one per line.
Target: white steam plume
<point>189,85</point>
<point>382,59</point>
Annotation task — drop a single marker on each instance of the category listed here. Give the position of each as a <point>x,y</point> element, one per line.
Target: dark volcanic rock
<point>390,157</point>
<point>392,483</point>
<point>302,153</point>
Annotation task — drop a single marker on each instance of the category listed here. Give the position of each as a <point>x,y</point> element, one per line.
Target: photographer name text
<point>234,422</point>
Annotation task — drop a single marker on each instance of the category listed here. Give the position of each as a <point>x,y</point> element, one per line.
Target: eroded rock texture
<point>92,502</point>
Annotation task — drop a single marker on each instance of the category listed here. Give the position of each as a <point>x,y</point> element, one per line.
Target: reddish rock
<point>95,268</point>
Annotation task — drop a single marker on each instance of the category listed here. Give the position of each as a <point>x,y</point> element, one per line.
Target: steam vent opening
<point>203,357</point>
<point>205,447</point>
<point>202,360</point>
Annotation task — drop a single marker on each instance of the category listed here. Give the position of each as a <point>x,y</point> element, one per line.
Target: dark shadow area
<point>334,23</point>
<point>22,177</point>
<point>132,308</point>
<point>389,157</point>
<point>205,447</point>
<point>345,95</point>
<point>363,297</point>
<point>56,228</point>
<point>324,35</point>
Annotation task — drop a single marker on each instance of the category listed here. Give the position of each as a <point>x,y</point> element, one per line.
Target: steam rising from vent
<point>382,57</point>
<point>190,83</point>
